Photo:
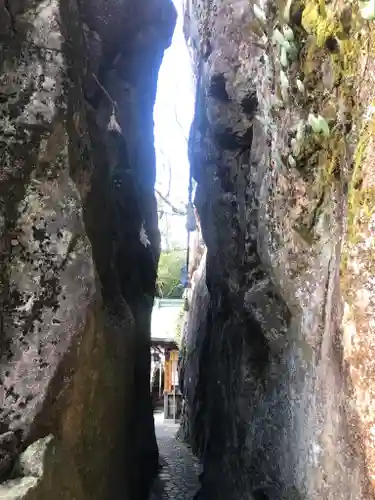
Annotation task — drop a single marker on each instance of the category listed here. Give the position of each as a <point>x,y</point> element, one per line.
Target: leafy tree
<point>169,273</point>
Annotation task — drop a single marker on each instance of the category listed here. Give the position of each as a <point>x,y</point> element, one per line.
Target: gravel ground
<point>178,478</point>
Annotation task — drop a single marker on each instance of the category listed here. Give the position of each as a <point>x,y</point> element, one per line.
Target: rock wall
<point>79,242</point>
<point>280,389</point>
<point>193,325</point>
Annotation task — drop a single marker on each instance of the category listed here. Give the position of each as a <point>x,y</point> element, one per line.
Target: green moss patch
<point>361,199</point>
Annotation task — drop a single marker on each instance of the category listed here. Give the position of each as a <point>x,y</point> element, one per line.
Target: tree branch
<point>164,212</point>
<point>174,209</point>
<point>186,139</point>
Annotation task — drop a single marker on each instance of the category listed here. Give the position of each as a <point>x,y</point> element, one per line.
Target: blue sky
<point>173,112</point>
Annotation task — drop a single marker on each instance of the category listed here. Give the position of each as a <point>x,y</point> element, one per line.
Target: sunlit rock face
<point>77,88</point>
<point>281,402</point>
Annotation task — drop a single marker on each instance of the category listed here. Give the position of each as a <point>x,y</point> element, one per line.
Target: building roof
<point>164,319</point>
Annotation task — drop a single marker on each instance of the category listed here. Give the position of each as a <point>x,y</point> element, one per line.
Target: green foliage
<point>169,274</point>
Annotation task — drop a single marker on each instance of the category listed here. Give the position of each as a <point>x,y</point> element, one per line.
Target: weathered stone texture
<point>191,428</point>
<point>284,381</point>
<point>77,87</point>
<point>43,468</point>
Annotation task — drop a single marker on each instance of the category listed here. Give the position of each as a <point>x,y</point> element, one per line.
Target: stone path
<point>178,479</point>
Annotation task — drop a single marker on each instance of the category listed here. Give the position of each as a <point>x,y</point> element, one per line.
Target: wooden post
<point>165,405</point>
<point>167,381</point>
<point>160,372</point>
<point>174,389</point>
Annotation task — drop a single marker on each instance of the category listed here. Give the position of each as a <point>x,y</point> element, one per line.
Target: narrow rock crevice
<point>273,375</point>
<point>277,356</point>
<point>77,273</point>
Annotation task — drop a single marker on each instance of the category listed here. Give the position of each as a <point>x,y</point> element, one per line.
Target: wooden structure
<point>172,393</point>
<point>166,313</point>
<point>170,367</point>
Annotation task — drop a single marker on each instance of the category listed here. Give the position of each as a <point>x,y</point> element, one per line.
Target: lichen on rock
<point>284,387</point>
<point>76,282</point>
